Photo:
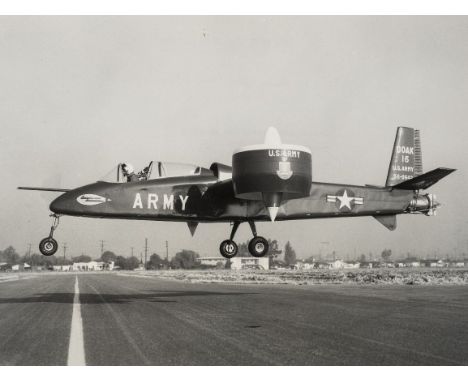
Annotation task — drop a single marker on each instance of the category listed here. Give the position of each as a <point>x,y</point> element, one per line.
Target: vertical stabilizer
<point>406,161</point>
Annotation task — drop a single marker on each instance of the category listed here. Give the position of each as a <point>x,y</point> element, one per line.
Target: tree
<point>62,261</point>
<point>243,249</point>
<point>36,259</point>
<point>289,254</point>
<point>310,260</point>
<point>108,256</point>
<point>185,259</point>
<point>362,258</point>
<point>386,253</point>
<point>273,248</point>
<point>81,259</point>
<point>9,256</point>
<point>155,262</point>
<point>120,262</point>
<point>132,263</point>
<point>127,263</point>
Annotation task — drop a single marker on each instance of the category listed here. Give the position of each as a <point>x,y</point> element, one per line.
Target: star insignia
<point>345,200</point>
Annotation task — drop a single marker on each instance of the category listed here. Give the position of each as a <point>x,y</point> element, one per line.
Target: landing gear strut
<point>49,245</point>
<point>258,246</point>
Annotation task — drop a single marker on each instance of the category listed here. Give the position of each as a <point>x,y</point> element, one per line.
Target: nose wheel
<point>258,246</point>
<point>48,246</point>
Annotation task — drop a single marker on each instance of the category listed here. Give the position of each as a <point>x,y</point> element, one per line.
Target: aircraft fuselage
<point>204,199</point>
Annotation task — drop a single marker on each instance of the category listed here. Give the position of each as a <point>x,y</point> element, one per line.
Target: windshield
<point>171,169</point>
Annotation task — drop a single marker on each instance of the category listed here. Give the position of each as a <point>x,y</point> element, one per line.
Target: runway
<point>126,320</point>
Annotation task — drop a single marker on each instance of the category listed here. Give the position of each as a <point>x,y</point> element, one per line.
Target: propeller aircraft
<point>268,181</point>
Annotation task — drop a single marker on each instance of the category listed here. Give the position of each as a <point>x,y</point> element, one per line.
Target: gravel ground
<point>424,276</point>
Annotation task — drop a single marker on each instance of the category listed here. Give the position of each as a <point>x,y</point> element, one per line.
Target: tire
<point>228,249</point>
<point>48,246</point>
<point>258,246</point>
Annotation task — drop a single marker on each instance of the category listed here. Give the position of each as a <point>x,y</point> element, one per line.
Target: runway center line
<point>76,352</point>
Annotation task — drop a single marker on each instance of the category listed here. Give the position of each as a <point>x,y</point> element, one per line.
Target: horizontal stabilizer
<point>44,189</point>
<point>424,181</point>
<point>389,221</point>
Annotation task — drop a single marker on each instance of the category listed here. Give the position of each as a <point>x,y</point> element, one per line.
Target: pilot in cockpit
<point>144,174</point>
<point>129,172</point>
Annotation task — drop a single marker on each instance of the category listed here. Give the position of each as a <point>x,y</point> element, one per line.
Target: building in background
<point>93,266</point>
<point>250,263</point>
<point>212,261</point>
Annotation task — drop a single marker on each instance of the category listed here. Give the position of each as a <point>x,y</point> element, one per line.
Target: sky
<point>80,94</point>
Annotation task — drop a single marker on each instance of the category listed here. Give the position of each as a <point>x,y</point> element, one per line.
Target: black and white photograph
<point>233,190</point>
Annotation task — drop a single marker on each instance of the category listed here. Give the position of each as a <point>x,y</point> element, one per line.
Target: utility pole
<point>64,251</point>
<point>29,250</point>
<point>167,251</point>
<point>102,247</point>
<point>146,251</point>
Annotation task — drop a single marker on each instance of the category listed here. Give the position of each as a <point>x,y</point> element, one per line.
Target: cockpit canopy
<point>170,169</point>
<point>158,170</point>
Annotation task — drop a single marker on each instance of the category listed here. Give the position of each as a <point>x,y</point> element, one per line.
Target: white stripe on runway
<point>76,353</point>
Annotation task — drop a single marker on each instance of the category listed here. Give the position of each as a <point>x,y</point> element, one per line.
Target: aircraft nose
<point>60,204</point>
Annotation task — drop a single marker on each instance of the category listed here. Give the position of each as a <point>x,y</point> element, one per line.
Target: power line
<point>167,251</point>
<point>146,251</point>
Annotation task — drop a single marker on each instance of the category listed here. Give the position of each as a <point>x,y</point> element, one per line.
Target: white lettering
<point>405,150</point>
<point>284,153</point>
<point>152,200</point>
<point>137,202</point>
<point>168,202</point>
<point>184,201</point>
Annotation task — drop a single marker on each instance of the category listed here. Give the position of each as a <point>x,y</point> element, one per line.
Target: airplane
<point>268,181</point>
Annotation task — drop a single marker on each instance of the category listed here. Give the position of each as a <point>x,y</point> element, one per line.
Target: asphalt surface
<point>128,320</point>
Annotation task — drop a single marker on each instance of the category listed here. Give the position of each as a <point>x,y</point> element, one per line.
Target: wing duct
<point>272,172</point>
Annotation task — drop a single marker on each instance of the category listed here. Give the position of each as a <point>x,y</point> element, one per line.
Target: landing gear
<point>258,246</point>
<point>49,245</point>
<point>228,249</point>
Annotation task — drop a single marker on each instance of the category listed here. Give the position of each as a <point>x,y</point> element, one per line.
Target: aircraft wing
<point>44,189</point>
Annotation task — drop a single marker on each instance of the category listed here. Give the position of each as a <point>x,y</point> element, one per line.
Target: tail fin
<point>406,162</point>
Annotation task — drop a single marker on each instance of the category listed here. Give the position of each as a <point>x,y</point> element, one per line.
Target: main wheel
<point>228,249</point>
<point>258,246</point>
<point>48,246</point>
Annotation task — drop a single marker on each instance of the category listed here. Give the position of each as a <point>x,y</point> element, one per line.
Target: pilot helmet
<point>127,168</point>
